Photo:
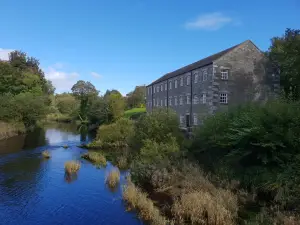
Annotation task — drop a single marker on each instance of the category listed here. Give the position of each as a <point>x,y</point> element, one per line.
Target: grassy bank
<point>58,117</point>
<point>134,113</point>
<point>8,130</point>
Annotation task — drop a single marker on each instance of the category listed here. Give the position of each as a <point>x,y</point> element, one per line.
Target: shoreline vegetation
<point>246,173</point>
<point>8,130</point>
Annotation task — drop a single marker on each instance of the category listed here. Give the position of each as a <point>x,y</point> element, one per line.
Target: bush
<point>153,151</point>
<point>157,126</point>
<point>72,166</point>
<point>113,178</point>
<point>122,162</point>
<point>95,157</point>
<point>258,145</point>
<point>115,135</point>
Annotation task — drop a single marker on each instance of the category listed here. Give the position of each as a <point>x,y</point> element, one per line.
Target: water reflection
<point>37,191</point>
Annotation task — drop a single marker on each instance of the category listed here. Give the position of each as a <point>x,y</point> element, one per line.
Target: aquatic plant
<point>72,166</point>
<point>113,178</point>
<point>46,154</point>
<point>96,158</point>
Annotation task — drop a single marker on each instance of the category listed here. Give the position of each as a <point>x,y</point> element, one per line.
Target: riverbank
<point>8,130</point>
<point>240,167</point>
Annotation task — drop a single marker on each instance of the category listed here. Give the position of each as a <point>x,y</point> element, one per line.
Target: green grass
<point>134,113</point>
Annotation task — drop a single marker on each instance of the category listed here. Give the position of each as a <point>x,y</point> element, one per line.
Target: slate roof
<point>203,62</point>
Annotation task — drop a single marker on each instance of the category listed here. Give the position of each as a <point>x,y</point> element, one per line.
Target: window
<point>180,100</point>
<point>148,90</point>
<point>204,74</point>
<point>181,119</point>
<point>170,85</point>
<point>181,81</point>
<point>157,88</point>
<point>154,90</point>
<point>224,74</point>
<point>154,101</point>
<point>203,98</point>
<point>170,101</point>
<point>196,77</point>
<point>176,83</point>
<point>195,119</point>
<point>166,86</point>
<point>188,80</point>
<point>166,102</point>
<point>150,104</point>
<point>175,100</point>
<point>188,99</point>
<point>161,103</point>
<point>195,99</point>
<point>223,98</point>
<point>161,87</point>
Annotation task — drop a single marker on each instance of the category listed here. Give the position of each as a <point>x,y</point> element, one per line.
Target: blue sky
<point>121,44</point>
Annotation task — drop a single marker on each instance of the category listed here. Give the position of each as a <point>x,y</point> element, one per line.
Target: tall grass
<point>95,157</point>
<point>72,166</point>
<point>138,200</point>
<point>113,178</point>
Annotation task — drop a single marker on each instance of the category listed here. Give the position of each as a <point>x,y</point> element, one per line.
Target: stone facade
<point>235,76</point>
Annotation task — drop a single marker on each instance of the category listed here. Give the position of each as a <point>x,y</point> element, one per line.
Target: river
<point>37,191</point>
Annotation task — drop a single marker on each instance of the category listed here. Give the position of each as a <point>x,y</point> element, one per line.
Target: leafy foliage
<point>257,145</point>
<point>284,55</point>
<point>136,98</point>
<point>157,126</point>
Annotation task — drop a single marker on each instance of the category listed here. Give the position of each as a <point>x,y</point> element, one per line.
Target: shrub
<point>153,151</point>
<point>46,154</point>
<point>157,126</point>
<point>258,145</point>
<point>115,135</point>
<point>113,178</point>
<point>138,200</point>
<point>72,166</point>
<point>95,157</point>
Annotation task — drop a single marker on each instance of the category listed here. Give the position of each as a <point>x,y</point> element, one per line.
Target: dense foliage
<point>284,59</point>
<point>257,145</point>
<point>24,91</point>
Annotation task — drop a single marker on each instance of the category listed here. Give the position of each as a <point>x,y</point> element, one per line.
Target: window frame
<point>194,99</point>
<point>181,81</point>
<point>203,98</point>
<point>188,99</point>
<point>224,74</point>
<point>175,100</point>
<point>170,101</point>
<point>205,74</point>
<point>176,83</point>
<point>196,77</point>
<point>180,100</point>
<point>188,80</point>
<point>170,85</point>
<point>195,119</point>
<point>222,97</point>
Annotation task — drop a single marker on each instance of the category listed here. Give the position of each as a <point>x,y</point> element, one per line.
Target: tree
<point>284,59</point>
<point>113,91</point>
<point>66,103</point>
<point>116,105</point>
<point>137,97</point>
<point>84,90</point>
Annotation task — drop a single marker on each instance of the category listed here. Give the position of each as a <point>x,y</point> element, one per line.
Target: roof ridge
<point>200,63</point>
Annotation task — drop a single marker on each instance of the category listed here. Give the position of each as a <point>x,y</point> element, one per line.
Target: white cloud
<point>62,81</point>
<point>4,53</point>
<point>96,75</point>
<point>210,21</point>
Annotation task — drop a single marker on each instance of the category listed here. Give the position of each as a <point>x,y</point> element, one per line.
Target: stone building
<point>230,77</point>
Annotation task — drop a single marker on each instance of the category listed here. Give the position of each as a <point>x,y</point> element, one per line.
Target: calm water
<point>37,191</point>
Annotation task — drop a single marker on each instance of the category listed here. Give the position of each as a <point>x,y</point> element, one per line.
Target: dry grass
<point>46,154</point>
<point>72,166</point>
<point>139,201</point>
<point>95,157</point>
<point>195,199</point>
<point>113,178</point>
<point>122,162</point>
<point>203,208</point>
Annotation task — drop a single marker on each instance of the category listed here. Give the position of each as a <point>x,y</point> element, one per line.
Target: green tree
<point>136,98</point>
<point>116,105</point>
<point>66,103</point>
<point>284,59</point>
<point>84,90</point>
